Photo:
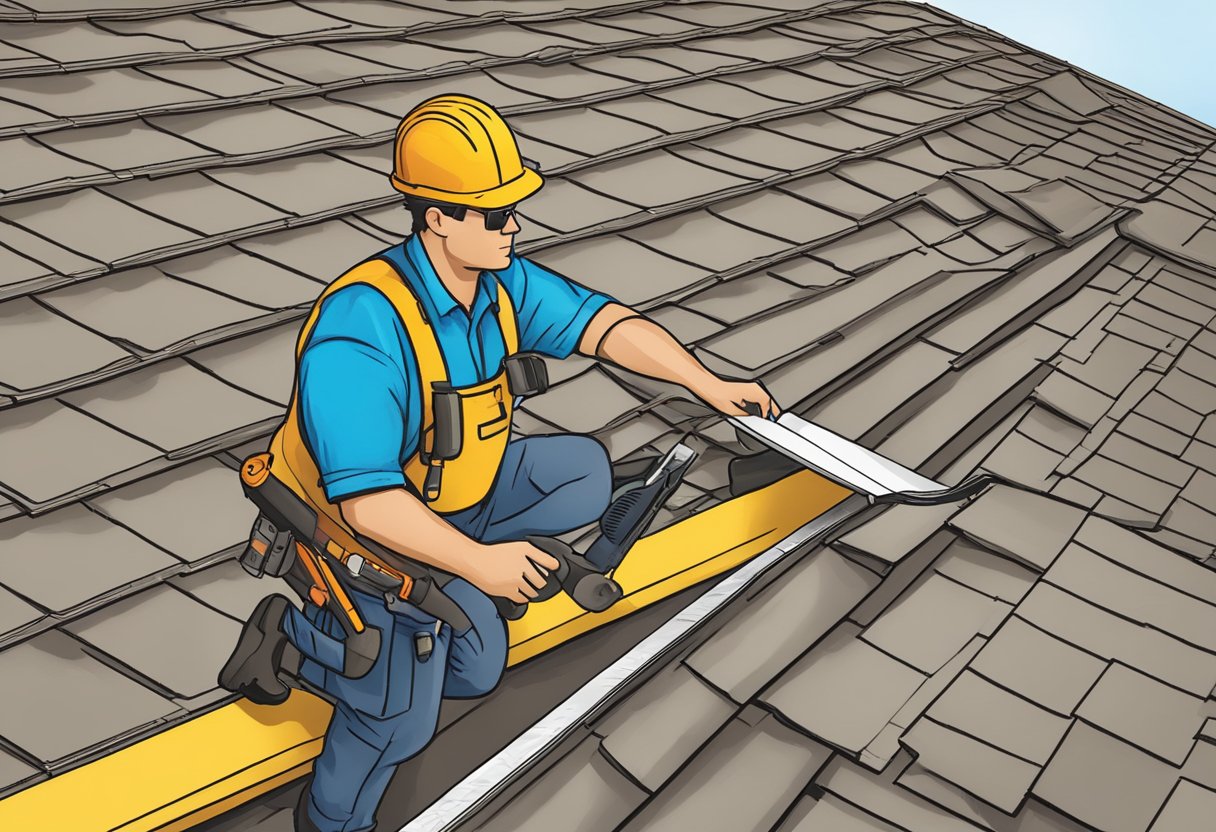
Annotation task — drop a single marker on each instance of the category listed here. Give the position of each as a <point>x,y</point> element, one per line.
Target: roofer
<point>437,315</point>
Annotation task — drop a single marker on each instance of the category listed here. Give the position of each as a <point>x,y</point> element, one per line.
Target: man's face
<point>477,247</point>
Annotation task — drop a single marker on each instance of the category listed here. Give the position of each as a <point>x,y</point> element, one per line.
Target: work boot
<point>252,669</point>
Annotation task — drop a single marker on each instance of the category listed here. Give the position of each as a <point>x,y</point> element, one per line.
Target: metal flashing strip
<point>474,792</point>
<point>850,464</point>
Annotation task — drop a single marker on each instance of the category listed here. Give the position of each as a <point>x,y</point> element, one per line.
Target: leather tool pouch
<point>270,550</point>
<point>527,374</point>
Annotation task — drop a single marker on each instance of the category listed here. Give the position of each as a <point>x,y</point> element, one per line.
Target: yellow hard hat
<point>457,149</point>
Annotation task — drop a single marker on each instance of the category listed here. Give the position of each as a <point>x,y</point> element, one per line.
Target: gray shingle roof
<point>957,251</point>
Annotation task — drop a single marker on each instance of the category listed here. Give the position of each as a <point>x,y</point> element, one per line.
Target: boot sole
<point>235,677</point>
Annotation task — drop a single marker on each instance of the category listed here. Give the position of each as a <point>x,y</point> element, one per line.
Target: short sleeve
<point>552,310</point>
<point>354,394</point>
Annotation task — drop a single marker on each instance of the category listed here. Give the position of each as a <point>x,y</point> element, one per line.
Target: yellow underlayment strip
<point>201,768</point>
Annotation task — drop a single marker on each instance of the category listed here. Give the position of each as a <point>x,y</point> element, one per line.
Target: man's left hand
<point>729,396</point>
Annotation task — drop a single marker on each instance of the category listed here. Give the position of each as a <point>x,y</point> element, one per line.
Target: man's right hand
<point>514,570</point>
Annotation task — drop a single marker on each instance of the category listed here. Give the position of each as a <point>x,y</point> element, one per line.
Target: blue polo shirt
<point>359,388</point>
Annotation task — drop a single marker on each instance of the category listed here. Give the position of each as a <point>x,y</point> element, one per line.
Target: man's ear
<point>435,220</point>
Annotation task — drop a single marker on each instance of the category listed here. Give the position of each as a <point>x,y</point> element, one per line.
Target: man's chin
<point>500,264</point>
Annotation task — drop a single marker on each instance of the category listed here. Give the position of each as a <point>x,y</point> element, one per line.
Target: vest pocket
<point>494,426</point>
<point>491,412</point>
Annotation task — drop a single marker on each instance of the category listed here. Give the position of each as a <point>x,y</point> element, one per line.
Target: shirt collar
<point>441,298</point>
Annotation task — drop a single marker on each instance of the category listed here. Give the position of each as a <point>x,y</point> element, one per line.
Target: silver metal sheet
<point>835,457</point>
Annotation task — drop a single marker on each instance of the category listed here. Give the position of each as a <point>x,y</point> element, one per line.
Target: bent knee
<point>475,681</point>
<point>597,484</point>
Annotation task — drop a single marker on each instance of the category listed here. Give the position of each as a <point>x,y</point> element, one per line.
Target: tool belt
<point>287,534</point>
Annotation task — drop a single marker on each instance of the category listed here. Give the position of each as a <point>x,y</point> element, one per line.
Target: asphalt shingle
<point>1141,710</point>
<point>1104,782</point>
<point>164,635</point>
<point>60,348</point>
<point>539,80</point>
<point>256,128</point>
<point>880,798</point>
<point>782,216</point>
<point>116,308</point>
<point>980,769</point>
<point>172,405</point>
<point>98,226</point>
<point>869,337</point>
<point>895,533</point>
<point>843,691</point>
<point>83,556</point>
<point>1039,667</point>
<point>653,733</point>
<point>830,812</point>
<point>1106,635</point>
<point>1024,462</point>
<point>97,92</point>
<point>584,129</point>
<point>194,31</point>
<point>15,613</point>
<point>653,179</point>
<point>1187,806</point>
<point>163,509</point>
<point>43,716</point>
<point>871,398</point>
<point>564,405</point>
<point>981,709</point>
<point>985,571</point>
<point>792,330</point>
<point>705,240</point>
<point>1020,524</point>
<point>233,78</point>
<point>124,145</point>
<point>31,165</point>
<point>733,300</point>
<point>306,185</point>
<point>582,788</point>
<point>1023,296</point>
<point>981,386</point>
<point>1124,592</point>
<point>624,269</point>
<point>319,66</point>
<point>748,775</point>
<point>566,207</point>
<point>33,433</point>
<point>778,625</point>
<point>14,771</point>
<point>322,251</point>
<point>18,271</point>
<point>248,279</point>
<point>262,362</point>
<point>932,621</point>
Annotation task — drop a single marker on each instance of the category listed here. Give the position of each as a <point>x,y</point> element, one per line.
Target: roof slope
<point>957,251</point>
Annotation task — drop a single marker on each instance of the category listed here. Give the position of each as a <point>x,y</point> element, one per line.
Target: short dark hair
<point>418,208</point>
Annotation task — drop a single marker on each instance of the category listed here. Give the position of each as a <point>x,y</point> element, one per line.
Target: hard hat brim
<point>508,193</point>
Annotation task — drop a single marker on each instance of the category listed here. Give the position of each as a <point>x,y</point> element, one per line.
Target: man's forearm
<point>399,521</point>
<point>641,345</point>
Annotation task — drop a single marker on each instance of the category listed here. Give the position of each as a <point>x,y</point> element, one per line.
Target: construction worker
<point>437,313</point>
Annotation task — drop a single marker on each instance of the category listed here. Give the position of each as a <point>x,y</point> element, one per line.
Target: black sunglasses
<point>495,220</point>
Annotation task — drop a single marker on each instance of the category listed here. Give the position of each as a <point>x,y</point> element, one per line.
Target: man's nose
<point>512,226</point>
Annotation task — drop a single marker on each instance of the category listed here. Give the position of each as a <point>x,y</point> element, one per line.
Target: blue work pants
<point>546,485</point>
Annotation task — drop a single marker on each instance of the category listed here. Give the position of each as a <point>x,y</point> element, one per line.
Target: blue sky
<point>1162,49</point>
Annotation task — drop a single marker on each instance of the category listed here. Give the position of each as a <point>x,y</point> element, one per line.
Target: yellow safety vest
<point>485,409</point>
